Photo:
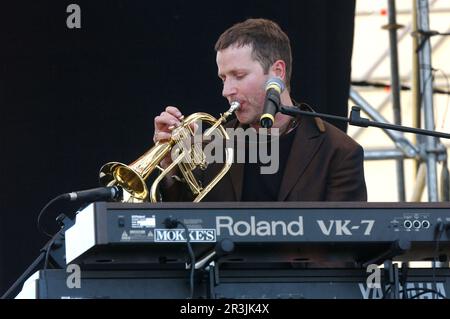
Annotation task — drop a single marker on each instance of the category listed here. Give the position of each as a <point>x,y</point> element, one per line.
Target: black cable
<point>430,33</point>
<point>440,228</point>
<point>192,257</point>
<point>47,254</point>
<point>41,213</point>
<point>49,248</point>
<point>385,292</point>
<point>423,291</point>
<point>388,86</point>
<point>426,36</point>
<point>172,223</point>
<point>46,262</point>
<point>404,278</point>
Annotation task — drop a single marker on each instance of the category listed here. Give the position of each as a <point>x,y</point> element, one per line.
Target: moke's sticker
<point>179,235</point>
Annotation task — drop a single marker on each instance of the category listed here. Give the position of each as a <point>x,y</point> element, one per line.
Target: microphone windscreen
<point>275,83</point>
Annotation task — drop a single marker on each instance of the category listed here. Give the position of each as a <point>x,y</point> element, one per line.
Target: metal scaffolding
<point>427,151</point>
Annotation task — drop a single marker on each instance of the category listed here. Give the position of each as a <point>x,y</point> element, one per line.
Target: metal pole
<point>415,84</point>
<point>395,90</point>
<point>426,84</point>
<point>382,154</point>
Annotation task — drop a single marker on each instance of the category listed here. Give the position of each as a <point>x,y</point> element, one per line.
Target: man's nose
<point>229,89</point>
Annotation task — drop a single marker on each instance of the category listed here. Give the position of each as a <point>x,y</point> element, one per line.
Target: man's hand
<point>164,124</point>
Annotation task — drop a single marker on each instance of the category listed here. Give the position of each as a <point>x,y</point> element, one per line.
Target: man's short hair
<point>268,41</point>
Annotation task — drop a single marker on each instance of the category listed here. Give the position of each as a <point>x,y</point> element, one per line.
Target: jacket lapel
<point>305,145</point>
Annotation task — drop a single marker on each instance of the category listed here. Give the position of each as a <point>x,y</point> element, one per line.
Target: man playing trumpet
<point>316,161</point>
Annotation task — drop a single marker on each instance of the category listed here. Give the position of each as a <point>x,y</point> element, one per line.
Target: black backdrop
<point>73,99</point>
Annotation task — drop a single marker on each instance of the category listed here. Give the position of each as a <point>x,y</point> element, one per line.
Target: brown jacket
<point>324,164</point>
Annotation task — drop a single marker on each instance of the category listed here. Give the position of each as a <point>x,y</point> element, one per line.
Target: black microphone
<point>95,194</point>
<point>274,87</point>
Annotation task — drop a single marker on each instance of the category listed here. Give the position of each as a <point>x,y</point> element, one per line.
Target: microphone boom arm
<point>355,119</point>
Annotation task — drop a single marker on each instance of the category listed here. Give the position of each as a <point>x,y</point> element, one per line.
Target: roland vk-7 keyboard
<point>147,235</point>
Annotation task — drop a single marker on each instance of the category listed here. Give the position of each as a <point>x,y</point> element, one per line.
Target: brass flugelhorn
<point>132,178</point>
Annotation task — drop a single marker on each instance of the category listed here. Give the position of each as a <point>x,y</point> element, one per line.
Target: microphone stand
<point>355,119</point>
<point>53,250</point>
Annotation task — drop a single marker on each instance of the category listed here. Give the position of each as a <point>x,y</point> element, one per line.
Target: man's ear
<point>278,69</point>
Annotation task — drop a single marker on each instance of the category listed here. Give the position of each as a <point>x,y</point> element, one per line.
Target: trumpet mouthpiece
<point>234,106</point>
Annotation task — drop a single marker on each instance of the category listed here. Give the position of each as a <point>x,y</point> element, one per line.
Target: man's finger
<point>174,111</point>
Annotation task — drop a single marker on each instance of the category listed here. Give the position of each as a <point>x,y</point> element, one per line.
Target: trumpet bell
<point>115,173</point>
